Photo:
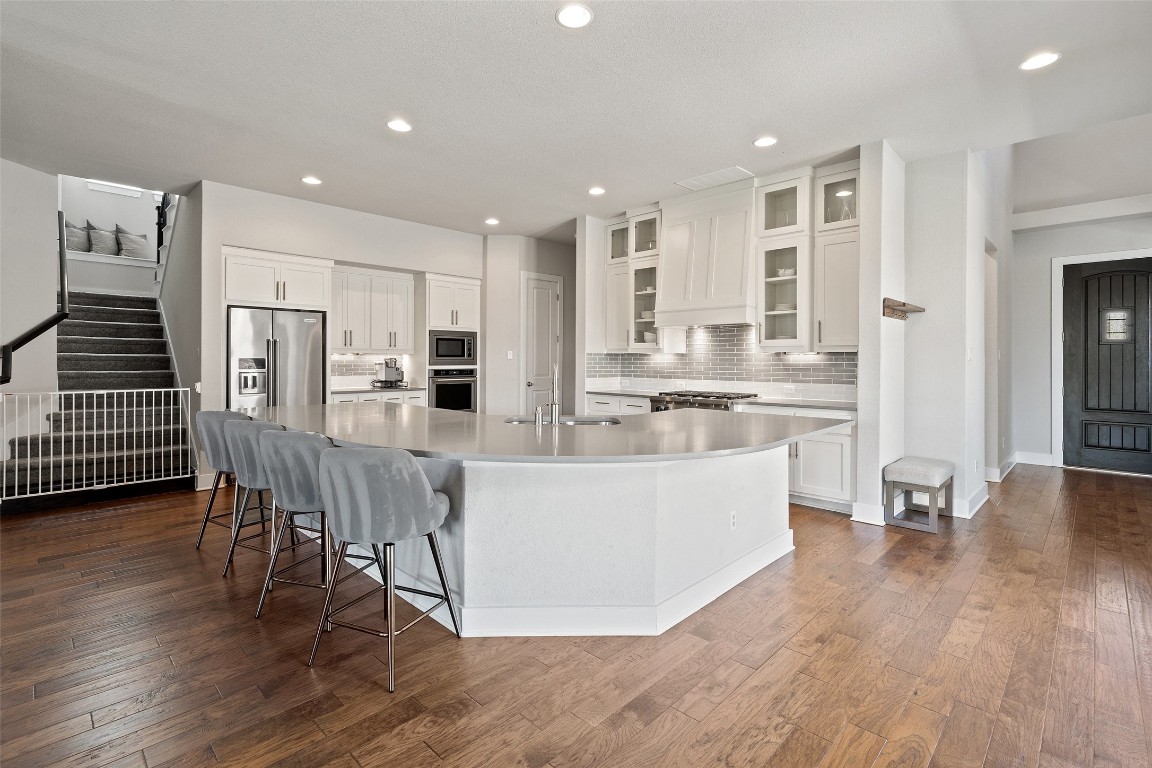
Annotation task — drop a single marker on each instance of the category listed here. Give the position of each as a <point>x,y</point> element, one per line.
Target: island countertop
<point>457,435</point>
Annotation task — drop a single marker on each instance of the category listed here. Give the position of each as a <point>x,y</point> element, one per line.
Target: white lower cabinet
<point>618,405</point>
<point>820,467</point>
<point>383,396</point>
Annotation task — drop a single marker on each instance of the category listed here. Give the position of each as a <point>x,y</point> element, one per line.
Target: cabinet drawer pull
<point>629,405</point>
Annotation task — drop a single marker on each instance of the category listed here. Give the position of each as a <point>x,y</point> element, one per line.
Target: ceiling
<point>516,117</point>
<point>1099,162</point>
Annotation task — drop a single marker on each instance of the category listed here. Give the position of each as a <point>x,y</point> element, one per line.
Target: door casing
<point>1057,323</point>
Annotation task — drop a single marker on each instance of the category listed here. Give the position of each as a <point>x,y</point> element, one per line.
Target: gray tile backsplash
<point>356,365</point>
<point>727,353</point>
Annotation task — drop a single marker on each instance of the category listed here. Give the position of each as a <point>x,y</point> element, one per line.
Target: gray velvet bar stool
<point>376,497</point>
<point>292,460</point>
<point>243,438</point>
<point>210,425</point>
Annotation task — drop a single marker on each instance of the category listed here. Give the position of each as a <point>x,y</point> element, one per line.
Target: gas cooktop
<point>693,394</point>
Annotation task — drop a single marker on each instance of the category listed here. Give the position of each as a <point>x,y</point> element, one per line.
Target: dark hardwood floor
<point>1020,638</point>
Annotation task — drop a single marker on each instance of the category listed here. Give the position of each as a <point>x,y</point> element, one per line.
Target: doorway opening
<point>541,345</point>
<point>1106,349</point>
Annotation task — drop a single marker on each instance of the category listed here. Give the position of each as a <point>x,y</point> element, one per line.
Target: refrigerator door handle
<point>271,376</point>
<point>276,354</point>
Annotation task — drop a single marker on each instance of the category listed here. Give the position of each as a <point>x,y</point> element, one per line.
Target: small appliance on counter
<point>389,375</point>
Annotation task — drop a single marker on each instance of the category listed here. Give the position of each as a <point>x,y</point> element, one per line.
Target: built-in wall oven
<point>451,348</point>
<point>452,388</point>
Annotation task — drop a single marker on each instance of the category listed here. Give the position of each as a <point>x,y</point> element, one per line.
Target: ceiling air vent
<point>716,178</point>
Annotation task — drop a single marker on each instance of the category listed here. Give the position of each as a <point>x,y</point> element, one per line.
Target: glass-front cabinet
<point>836,201</point>
<point>784,208</point>
<point>784,299</point>
<point>643,284</point>
<point>644,234</point>
<point>617,243</point>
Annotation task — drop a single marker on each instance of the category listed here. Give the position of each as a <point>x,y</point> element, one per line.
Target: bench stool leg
<point>889,501</point>
<point>933,510</point>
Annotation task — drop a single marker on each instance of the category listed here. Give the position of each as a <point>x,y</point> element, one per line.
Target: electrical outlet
<point>625,383</point>
<point>790,388</point>
<point>733,521</point>
<point>977,465</point>
<point>509,354</point>
<point>1003,442</point>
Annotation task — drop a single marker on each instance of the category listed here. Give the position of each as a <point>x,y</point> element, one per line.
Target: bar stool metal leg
<point>277,539</point>
<point>237,521</point>
<point>208,509</point>
<point>390,565</point>
<point>434,544</point>
<point>328,594</point>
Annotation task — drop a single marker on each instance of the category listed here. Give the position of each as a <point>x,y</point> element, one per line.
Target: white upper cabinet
<point>268,279</point>
<point>453,303</point>
<point>616,242</point>
<point>705,262</point>
<point>391,315</point>
<point>785,295</point>
<point>784,207</point>
<point>644,234</point>
<point>836,292</point>
<point>371,312</point>
<point>837,198</point>
<point>618,306</point>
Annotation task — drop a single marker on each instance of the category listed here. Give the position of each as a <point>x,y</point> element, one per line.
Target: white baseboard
<point>873,514</point>
<point>1040,459</point>
<point>204,482</point>
<point>594,620</point>
<point>997,475</point>
<point>972,504</point>
<point>830,505</point>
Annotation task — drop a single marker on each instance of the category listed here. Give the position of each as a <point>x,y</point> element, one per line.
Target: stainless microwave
<point>451,348</point>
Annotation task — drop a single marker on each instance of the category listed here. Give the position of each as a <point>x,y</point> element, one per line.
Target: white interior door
<point>542,334</point>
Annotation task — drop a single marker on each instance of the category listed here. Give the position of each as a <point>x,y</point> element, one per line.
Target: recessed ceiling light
<point>399,125</point>
<point>1039,60</point>
<point>844,193</point>
<point>574,16</point>
<point>491,222</point>
<point>310,180</point>
<point>596,191</point>
<point>764,141</point>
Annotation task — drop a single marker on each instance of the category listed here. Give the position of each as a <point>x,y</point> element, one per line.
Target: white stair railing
<point>54,442</point>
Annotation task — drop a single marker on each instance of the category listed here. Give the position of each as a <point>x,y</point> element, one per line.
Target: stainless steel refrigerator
<point>275,357</point>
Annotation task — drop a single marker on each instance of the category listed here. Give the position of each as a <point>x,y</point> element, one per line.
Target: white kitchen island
<point>620,529</point>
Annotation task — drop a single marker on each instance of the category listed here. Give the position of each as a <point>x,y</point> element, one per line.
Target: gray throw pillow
<point>133,246</point>
<point>76,239</point>
<point>103,240</point>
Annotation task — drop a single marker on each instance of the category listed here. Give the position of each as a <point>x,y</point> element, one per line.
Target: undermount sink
<point>568,421</point>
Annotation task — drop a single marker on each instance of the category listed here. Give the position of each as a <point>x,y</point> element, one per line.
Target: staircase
<point>117,418</point>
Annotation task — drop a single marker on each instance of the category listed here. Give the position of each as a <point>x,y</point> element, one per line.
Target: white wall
<point>505,258</point>
<point>590,298</point>
<point>107,209</point>
<point>249,219</point>
<point>1031,292</point>
<point>28,271</point>
<point>180,295</point>
<point>880,377</point>
<point>102,277</point>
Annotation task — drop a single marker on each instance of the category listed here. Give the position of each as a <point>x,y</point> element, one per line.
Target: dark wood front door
<point>1108,365</point>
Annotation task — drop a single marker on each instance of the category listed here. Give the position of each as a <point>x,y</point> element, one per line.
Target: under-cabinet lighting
<point>844,193</point>
<point>311,180</point>
<point>574,16</point>
<point>1039,60</point>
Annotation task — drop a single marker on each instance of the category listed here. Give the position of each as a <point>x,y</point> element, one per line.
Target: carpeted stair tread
<point>84,361</point>
<point>72,327</point>
<point>117,418</point>
<point>113,314</point>
<point>73,473</point>
<point>90,299</point>
<point>161,439</point>
<point>86,380</point>
<point>114,400</point>
<point>110,345</point>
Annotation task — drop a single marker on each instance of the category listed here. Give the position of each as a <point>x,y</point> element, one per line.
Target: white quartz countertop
<point>792,402</point>
<point>687,433</point>
<point>367,390</point>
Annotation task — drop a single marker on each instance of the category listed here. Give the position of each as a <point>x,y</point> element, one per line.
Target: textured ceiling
<point>515,117</point>
<point>1100,162</point>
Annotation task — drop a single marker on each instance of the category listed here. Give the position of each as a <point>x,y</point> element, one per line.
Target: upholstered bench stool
<point>911,475</point>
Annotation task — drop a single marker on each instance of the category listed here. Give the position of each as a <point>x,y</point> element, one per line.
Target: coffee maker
<point>389,375</point>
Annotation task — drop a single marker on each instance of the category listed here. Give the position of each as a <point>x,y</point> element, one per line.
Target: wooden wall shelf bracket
<point>899,309</point>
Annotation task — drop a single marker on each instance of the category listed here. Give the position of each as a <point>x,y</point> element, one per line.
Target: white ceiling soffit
<point>1099,162</point>
<point>516,117</point>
